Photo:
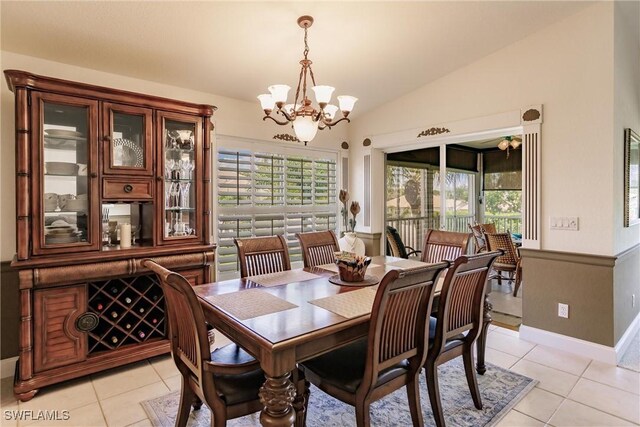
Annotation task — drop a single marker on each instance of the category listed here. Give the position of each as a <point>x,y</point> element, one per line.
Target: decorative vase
<point>351,243</point>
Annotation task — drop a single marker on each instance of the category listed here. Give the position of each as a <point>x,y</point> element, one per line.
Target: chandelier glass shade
<point>305,118</point>
<point>510,142</point>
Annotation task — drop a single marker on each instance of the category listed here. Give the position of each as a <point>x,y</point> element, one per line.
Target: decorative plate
<point>66,134</point>
<point>368,281</point>
<point>132,154</point>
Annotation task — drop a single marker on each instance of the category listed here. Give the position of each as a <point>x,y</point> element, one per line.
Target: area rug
<point>501,390</point>
<point>631,357</point>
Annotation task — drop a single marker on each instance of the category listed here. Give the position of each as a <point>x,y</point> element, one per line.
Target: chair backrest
<point>395,246</point>
<point>187,327</point>
<point>444,245</point>
<point>503,241</point>
<point>262,255</point>
<point>478,231</point>
<point>460,308</point>
<point>318,247</point>
<point>399,320</point>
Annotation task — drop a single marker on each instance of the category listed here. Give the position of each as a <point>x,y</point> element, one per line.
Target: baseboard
<point>573,345</point>
<point>627,337</point>
<point>8,367</point>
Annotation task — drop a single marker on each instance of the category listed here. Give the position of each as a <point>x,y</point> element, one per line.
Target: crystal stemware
<point>184,194</point>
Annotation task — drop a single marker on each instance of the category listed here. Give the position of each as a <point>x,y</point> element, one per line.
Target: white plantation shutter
<point>265,194</point>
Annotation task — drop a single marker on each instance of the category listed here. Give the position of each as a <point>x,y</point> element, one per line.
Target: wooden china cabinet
<point>104,179</point>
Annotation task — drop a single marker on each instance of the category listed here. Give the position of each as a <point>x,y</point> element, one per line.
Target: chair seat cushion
<point>240,388</point>
<point>344,368</point>
<point>501,266</point>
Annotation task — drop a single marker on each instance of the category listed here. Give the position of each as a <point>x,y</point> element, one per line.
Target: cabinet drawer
<point>123,188</point>
<point>195,276</point>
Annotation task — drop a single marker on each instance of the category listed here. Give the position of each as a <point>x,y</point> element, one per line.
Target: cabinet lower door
<point>57,341</point>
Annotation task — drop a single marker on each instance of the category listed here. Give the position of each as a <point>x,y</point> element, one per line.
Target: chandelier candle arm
<point>304,118</point>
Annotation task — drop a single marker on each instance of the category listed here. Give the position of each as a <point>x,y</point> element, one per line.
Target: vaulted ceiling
<point>375,51</point>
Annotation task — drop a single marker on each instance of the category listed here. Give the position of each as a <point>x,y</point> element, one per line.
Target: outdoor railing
<point>413,229</point>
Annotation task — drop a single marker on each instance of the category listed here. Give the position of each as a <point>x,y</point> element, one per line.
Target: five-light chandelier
<point>306,120</point>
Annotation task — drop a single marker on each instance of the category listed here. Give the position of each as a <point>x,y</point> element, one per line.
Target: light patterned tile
<point>144,423</point>
<point>517,419</point>
<point>539,404</point>
<point>66,395</point>
<point>85,416</point>
<point>120,380</point>
<point>499,358</point>
<point>509,332</point>
<point>507,344</point>
<point>9,415</point>
<point>6,392</point>
<point>125,408</point>
<point>614,376</point>
<point>552,380</point>
<point>574,414</point>
<point>164,366</point>
<point>608,399</point>
<point>557,359</point>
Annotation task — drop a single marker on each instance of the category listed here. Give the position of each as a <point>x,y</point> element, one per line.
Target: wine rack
<point>130,310</point>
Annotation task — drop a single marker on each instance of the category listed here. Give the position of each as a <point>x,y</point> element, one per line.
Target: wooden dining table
<point>289,317</point>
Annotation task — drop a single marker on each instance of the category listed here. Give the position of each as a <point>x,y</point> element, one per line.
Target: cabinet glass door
<point>128,142</point>
<point>180,168</point>
<point>65,205</point>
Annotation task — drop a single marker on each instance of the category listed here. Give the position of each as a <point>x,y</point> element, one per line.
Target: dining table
<point>288,317</point>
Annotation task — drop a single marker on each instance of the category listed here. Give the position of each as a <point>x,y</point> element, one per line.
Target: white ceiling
<point>375,51</point>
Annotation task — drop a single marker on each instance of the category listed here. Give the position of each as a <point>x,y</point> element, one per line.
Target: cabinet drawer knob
<point>128,188</point>
<point>94,175</point>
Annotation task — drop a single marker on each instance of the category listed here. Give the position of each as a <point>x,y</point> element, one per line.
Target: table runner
<point>282,278</point>
<point>250,303</point>
<point>407,263</point>
<point>334,267</point>
<point>349,304</point>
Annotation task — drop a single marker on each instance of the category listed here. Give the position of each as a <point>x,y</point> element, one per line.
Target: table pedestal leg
<point>277,395</point>
<point>481,344</point>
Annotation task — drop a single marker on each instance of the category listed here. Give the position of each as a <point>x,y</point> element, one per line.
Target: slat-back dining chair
<point>318,247</point>
<point>395,245</point>
<point>262,255</point>
<point>459,324</point>
<point>392,354</point>
<point>228,379</point>
<point>444,245</point>
<point>510,262</point>
<point>478,231</point>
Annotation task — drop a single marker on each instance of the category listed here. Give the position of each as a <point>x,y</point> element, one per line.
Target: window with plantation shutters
<point>265,194</point>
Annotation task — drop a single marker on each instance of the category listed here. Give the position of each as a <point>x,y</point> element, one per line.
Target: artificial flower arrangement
<point>352,267</point>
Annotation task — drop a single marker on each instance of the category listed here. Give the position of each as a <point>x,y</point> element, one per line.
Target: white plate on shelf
<point>58,240</point>
<point>62,133</point>
<point>129,152</point>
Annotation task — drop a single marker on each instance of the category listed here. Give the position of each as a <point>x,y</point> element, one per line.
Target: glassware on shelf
<point>106,231</point>
<point>136,233</point>
<point>184,194</point>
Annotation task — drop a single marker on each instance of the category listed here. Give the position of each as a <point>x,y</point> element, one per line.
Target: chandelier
<point>510,142</point>
<point>305,119</point>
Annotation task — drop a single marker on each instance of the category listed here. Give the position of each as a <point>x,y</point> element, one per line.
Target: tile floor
<point>572,391</point>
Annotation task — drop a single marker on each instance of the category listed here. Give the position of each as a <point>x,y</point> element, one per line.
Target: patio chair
<point>227,379</point>
<point>262,255</point>
<point>393,353</point>
<point>459,324</point>
<point>510,262</point>
<point>444,245</point>
<point>318,247</point>
<point>395,246</point>
<point>478,231</point>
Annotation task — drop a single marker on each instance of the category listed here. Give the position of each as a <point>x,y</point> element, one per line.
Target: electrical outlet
<point>563,310</point>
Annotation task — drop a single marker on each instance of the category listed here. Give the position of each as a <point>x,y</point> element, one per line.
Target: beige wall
<point>234,118</point>
<point>567,67</point>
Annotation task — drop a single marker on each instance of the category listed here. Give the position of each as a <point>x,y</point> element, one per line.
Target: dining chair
<point>510,262</point>
<point>262,255</point>
<point>318,247</point>
<point>478,231</point>
<point>459,324</point>
<point>444,245</point>
<point>391,355</point>
<point>395,245</point>
<point>227,379</point>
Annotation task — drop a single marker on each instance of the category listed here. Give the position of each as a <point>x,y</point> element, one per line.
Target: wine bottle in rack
<point>114,290</point>
<point>114,339</point>
<point>127,300</point>
<point>98,304</point>
<point>127,326</point>
<point>141,334</point>
<point>155,297</point>
<point>154,320</point>
<point>114,314</point>
<point>141,310</point>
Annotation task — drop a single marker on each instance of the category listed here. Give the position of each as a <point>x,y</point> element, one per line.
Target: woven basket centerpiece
<point>352,267</point>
